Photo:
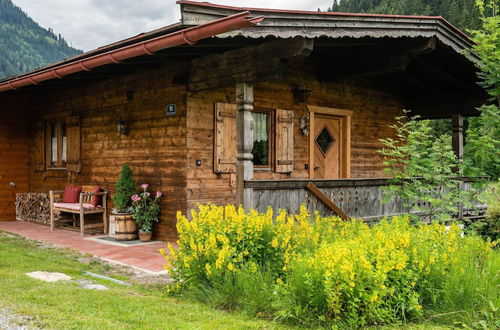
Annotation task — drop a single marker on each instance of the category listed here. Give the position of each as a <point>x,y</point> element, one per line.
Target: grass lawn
<point>65,305</point>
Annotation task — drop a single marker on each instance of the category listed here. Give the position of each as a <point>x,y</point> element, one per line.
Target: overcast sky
<point>88,24</point>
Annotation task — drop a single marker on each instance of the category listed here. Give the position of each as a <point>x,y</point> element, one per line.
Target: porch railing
<point>358,198</point>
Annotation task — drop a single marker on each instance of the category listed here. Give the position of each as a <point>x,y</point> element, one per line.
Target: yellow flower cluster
<point>218,239</point>
<point>351,265</point>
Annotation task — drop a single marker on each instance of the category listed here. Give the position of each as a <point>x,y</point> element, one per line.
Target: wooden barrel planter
<point>125,227</point>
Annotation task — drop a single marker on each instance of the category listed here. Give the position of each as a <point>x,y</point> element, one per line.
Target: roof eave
<point>138,47</point>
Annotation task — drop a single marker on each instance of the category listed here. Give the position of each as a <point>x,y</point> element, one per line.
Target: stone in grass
<point>97,287</point>
<point>49,277</point>
<point>89,285</point>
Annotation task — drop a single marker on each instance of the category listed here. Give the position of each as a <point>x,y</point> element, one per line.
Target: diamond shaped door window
<point>325,140</point>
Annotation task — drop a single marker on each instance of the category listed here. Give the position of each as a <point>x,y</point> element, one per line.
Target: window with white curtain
<point>262,121</point>
<point>58,148</point>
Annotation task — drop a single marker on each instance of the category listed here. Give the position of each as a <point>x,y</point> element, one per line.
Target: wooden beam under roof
<point>248,64</point>
<point>443,105</point>
<point>372,60</point>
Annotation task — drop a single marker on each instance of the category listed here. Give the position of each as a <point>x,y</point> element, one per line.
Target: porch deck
<point>143,257</point>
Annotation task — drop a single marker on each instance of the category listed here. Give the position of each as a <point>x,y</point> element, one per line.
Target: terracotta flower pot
<point>145,236</point>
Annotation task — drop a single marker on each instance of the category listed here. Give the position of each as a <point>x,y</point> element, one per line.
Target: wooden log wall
<point>13,153</point>
<point>373,112</point>
<point>155,147</point>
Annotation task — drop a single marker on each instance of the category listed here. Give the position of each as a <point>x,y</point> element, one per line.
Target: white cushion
<point>74,206</point>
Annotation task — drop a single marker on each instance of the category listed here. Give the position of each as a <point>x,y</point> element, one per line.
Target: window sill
<point>56,169</point>
<point>262,169</point>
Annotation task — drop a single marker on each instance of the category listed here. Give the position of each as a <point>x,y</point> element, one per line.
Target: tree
<point>462,13</point>
<point>481,152</point>
<point>421,169</point>
<point>125,188</point>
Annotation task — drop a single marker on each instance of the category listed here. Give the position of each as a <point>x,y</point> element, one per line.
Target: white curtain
<point>260,126</point>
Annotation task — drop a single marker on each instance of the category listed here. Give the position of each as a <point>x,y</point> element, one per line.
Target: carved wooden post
<point>244,140</point>
<point>457,123</point>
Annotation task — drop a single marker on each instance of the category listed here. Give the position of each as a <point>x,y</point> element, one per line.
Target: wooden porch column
<point>244,141</point>
<point>457,122</point>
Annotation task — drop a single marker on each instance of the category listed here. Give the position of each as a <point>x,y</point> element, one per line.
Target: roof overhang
<point>419,59</point>
<point>133,47</point>
<point>311,24</point>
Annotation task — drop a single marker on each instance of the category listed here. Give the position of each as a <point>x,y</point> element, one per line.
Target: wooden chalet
<point>237,105</point>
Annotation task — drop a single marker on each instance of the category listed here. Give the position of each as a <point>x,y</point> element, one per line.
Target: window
<point>58,143</point>
<point>325,140</point>
<point>262,123</point>
<point>272,139</point>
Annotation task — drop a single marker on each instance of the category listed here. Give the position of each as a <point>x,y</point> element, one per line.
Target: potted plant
<point>125,226</point>
<point>146,211</point>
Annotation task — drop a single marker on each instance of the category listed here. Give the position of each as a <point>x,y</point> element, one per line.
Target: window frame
<point>60,164</point>
<point>271,139</point>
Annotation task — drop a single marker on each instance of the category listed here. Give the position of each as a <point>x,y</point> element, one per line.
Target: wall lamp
<point>121,126</point>
<point>300,93</point>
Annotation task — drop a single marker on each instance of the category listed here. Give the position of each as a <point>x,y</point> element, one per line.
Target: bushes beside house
<point>311,270</point>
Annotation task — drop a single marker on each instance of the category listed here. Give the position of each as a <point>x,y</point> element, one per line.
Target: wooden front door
<point>327,147</point>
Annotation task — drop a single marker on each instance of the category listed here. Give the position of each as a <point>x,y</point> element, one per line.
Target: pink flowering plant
<point>146,208</point>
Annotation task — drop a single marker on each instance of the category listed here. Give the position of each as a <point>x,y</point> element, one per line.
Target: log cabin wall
<point>13,153</point>
<point>155,147</point>
<point>373,111</point>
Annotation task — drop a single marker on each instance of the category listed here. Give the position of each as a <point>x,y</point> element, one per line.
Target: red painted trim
<point>187,40</point>
<point>193,34</point>
<point>113,59</point>
<point>146,50</point>
<point>54,72</point>
<point>84,68</point>
<point>328,13</point>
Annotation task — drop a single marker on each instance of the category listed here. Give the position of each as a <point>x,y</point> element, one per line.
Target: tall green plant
<point>421,169</point>
<point>125,188</point>
<point>481,155</point>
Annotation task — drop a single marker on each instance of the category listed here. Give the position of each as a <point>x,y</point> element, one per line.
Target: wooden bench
<point>83,207</point>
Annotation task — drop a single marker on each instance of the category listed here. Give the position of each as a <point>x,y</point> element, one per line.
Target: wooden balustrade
<point>357,198</point>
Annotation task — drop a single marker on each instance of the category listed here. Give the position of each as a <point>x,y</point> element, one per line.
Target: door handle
<point>316,168</point>
<point>12,184</point>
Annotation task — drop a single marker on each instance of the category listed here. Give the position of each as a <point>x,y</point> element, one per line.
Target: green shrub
<point>323,271</point>
<point>125,188</point>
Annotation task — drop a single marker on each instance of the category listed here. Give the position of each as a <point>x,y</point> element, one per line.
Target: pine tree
<point>25,45</point>
<point>462,13</point>
<point>125,188</point>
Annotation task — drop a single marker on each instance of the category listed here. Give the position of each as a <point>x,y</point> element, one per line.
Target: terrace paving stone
<point>145,257</point>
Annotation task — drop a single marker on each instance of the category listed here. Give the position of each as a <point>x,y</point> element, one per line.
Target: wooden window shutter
<point>225,138</point>
<point>40,142</point>
<point>73,144</point>
<point>284,141</point>
<point>48,148</point>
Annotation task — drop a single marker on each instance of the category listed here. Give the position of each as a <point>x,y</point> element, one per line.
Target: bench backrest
<point>88,189</point>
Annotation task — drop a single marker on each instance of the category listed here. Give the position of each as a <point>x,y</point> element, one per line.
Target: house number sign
<point>170,110</point>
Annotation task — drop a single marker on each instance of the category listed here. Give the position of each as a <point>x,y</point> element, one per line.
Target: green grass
<point>66,305</point>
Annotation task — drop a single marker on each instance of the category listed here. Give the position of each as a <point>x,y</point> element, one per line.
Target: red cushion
<point>71,194</point>
<point>96,200</point>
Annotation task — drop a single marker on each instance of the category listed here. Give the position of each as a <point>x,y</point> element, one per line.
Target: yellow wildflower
<point>208,268</point>
<point>274,243</point>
